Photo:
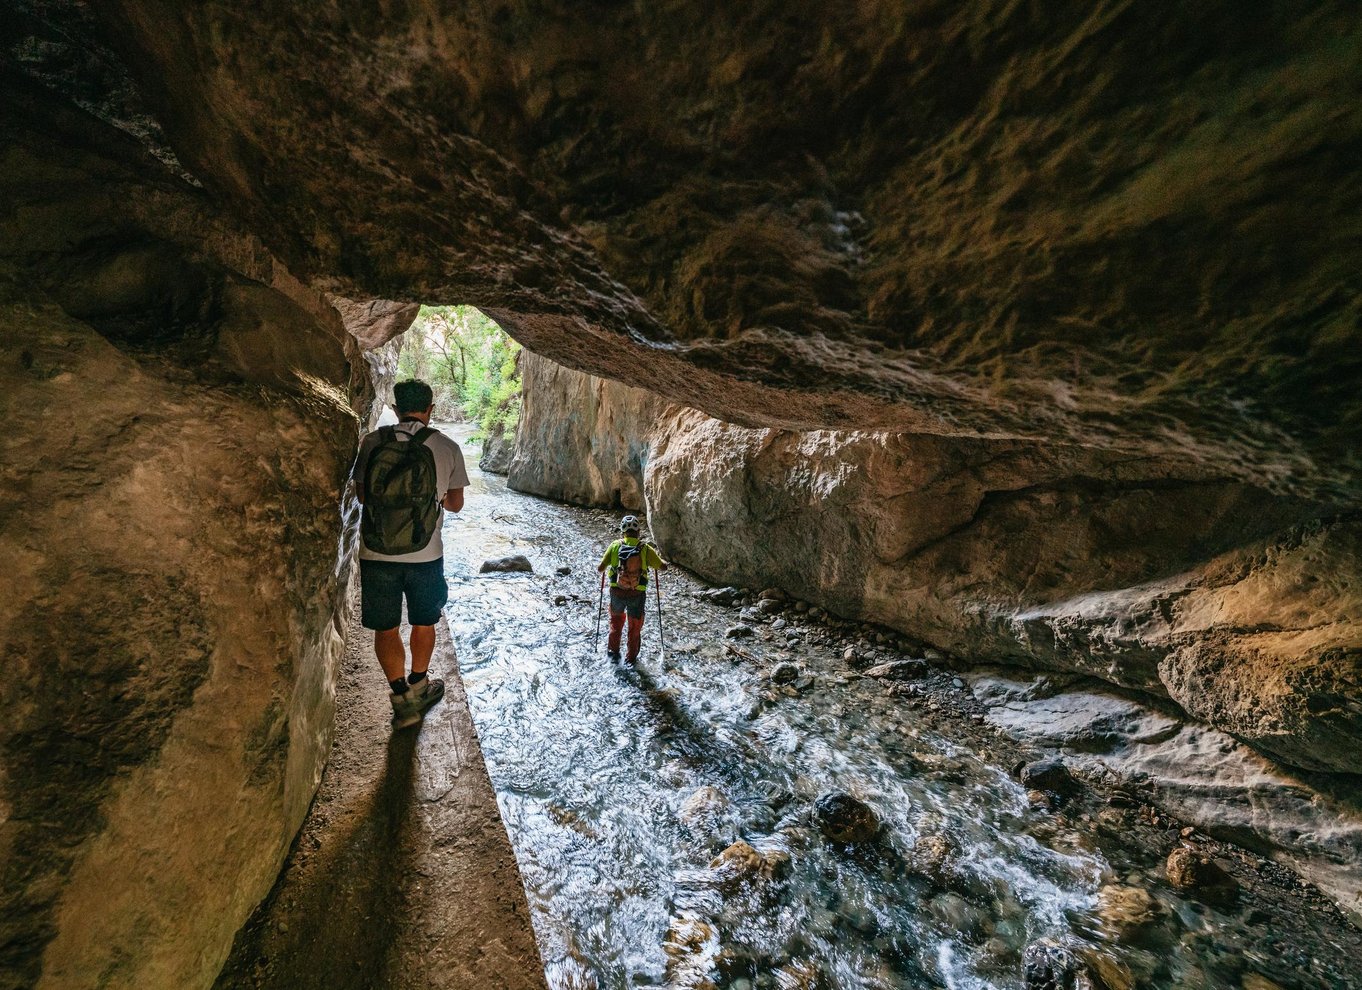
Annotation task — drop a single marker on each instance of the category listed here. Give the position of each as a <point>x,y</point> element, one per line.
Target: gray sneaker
<point>409,706</point>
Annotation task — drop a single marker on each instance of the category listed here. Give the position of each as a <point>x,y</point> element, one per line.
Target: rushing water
<point>618,787</point>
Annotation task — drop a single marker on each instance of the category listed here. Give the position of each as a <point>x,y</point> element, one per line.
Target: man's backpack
<point>629,574</point>
<point>401,496</point>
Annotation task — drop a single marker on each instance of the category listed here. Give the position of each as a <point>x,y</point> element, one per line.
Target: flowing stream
<point>619,786</point>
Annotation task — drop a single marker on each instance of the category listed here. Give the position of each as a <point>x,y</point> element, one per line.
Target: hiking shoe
<point>409,707</point>
<point>631,659</point>
<point>614,655</point>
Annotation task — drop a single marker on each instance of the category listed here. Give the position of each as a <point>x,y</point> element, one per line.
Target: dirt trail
<point>402,875</point>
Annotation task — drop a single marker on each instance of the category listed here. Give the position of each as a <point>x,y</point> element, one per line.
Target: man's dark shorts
<point>382,583</point>
<point>631,602</point>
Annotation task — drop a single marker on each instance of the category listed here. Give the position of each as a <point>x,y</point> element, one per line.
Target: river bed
<point>620,786</point>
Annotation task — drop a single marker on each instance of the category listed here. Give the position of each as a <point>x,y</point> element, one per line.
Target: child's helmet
<point>628,523</point>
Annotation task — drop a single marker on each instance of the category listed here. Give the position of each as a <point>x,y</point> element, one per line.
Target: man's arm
<point>606,561</point>
<point>453,500</point>
<point>658,563</point>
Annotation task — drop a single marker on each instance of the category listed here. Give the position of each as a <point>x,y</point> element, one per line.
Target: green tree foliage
<point>470,362</point>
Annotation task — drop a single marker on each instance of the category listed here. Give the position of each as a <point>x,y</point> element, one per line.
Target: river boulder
<point>844,819</point>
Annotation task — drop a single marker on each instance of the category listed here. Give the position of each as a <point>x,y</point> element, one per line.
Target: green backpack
<point>401,497</point>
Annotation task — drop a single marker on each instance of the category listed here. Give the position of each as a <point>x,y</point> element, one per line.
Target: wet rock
<point>741,863</point>
<point>1047,965</point>
<point>1190,872</point>
<point>516,563</point>
<point>1050,774</point>
<point>899,670</point>
<point>784,673</point>
<point>800,976</point>
<point>779,624</point>
<point>724,597</point>
<point>739,631</point>
<point>737,863</point>
<point>960,917</point>
<point>842,818</point>
<point>703,806</point>
<point>803,683</point>
<point>1040,799</point>
<point>691,946</point>
<point>935,855</point>
<point>1127,911</point>
<point>562,570</point>
<point>1256,981</point>
<point>560,599</point>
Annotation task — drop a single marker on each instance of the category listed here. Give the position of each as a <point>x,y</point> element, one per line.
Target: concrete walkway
<point>402,876</point>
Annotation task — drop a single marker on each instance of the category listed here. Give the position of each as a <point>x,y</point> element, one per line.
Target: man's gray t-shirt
<point>450,473</point>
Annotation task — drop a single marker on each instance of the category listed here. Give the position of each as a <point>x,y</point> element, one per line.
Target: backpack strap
<point>423,434</point>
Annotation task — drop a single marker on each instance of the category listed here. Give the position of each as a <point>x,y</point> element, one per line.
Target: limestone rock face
<point>179,416</point>
<point>581,439</point>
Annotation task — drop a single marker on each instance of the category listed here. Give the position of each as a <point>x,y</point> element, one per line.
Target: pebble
<point>563,570</point>
<point>739,632</point>
<point>779,624</point>
<point>560,599</point>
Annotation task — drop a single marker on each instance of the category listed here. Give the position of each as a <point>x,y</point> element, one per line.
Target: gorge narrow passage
<point>619,788</point>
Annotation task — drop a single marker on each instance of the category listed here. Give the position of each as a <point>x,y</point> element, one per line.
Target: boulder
<point>1190,872</point>
<point>497,448</point>
<point>704,805</point>
<point>1051,775</point>
<point>516,563</point>
<point>845,820</point>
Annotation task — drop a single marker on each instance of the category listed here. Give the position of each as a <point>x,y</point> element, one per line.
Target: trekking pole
<point>661,640</point>
<point>600,602</point>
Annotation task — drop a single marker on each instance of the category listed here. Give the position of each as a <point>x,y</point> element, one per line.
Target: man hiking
<point>628,561</point>
<point>404,475</point>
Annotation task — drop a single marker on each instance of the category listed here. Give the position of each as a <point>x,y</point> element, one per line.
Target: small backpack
<point>629,573</point>
<point>401,497</point>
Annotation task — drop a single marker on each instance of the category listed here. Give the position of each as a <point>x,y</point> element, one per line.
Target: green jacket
<point>651,559</point>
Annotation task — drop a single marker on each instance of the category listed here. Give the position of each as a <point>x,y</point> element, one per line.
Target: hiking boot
<point>410,706</point>
<point>614,655</point>
<point>631,659</point>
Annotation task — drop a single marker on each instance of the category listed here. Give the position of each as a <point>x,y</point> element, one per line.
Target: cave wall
<point>581,439</point>
<point>179,416</point>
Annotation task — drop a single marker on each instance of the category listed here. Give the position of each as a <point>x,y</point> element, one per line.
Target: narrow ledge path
<point>403,875</point>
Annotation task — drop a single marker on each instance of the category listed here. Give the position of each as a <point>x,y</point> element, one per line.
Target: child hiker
<point>628,561</point>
